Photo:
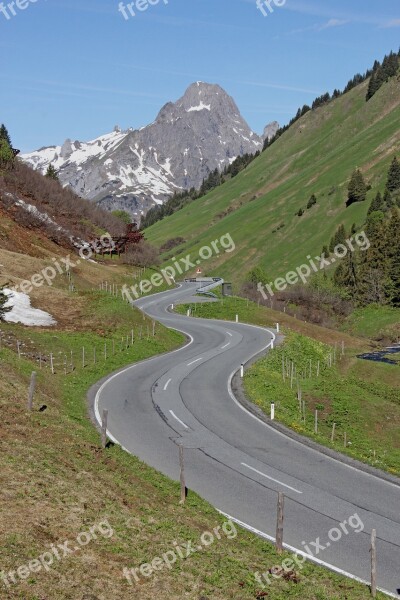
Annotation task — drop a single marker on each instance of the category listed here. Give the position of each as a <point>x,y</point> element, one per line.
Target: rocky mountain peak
<point>136,169</point>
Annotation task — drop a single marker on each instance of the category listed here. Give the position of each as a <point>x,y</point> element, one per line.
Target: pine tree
<point>393,256</point>
<point>6,155</point>
<point>373,276</point>
<point>4,135</point>
<point>3,300</point>
<point>388,201</point>
<point>373,86</point>
<point>393,181</point>
<point>52,173</point>
<point>338,238</point>
<point>376,204</point>
<point>325,251</point>
<point>357,190</point>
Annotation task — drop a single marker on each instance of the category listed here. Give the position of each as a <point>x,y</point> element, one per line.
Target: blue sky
<point>76,68</point>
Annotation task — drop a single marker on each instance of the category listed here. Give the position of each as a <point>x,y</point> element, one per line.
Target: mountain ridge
<point>136,169</point>
<point>264,207</point>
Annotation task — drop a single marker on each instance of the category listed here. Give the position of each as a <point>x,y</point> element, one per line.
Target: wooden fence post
<point>31,390</point>
<point>279,523</point>
<point>182,476</point>
<point>104,428</point>
<point>373,563</point>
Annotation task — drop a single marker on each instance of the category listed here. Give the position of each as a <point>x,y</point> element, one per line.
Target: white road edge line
<point>271,478</point>
<point>250,414</point>
<point>107,381</point>
<point>179,421</point>
<point>241,523</point>
<point>229,333</point>
<point>194,361</point>
<point>313,559</point>
<point>167,384</point>
<point>226,345</point>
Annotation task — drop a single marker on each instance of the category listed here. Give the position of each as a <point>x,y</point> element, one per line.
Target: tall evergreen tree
<point>357,189</point>
<point>373,273</point>
<point>6,155</point>
<point>4,135</point>
<point>51,173</point>
<point>376,204</point>
<point>393,256</point>
<point>393,181</point>
<point>338,238</point>
<point>346,274</point>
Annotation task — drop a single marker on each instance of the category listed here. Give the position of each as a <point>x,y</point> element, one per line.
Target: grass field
<point>316,155</point>
<point>375,322</point>
<point>58,484</point>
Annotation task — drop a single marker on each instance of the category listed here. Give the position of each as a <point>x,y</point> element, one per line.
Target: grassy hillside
<point>61,489</point>
<point>316,155</point>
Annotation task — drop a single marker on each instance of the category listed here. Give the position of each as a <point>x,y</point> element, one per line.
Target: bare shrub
<point>142,255</point>
<point>172,243</point>
<point>62,205</point>
<point>322,307</point>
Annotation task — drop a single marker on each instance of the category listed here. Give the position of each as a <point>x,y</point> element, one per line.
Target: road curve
<point>239,463</point>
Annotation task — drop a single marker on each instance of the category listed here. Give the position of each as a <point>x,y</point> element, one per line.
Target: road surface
<point>237,462</point>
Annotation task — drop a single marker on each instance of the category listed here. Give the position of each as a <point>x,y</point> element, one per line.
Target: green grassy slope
<point>59,486</point>
<point>316,155</point>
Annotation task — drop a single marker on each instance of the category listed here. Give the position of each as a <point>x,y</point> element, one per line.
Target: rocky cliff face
<point>270,130</point>
<point>135,169</point>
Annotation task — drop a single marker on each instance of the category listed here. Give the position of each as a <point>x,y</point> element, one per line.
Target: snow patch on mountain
<point>135,169</point>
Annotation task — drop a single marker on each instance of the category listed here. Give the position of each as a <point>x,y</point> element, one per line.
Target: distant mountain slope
<point>315,156</point>
<point>133,170</point>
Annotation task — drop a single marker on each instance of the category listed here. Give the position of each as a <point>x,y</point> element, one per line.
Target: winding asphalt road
<point>239,463</point>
